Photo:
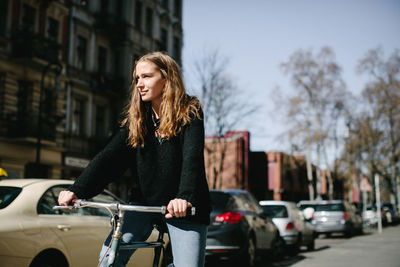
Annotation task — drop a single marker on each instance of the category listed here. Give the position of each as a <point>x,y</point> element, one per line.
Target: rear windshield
<point>219,200</point>
<point>304,206</point>
<point>8,194</point>
<point>329,207</point>
<point>276,211</point>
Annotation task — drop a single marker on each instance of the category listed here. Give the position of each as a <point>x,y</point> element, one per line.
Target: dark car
<point>240,230</point>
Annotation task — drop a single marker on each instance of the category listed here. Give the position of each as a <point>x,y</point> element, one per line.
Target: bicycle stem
<point>117,236</point>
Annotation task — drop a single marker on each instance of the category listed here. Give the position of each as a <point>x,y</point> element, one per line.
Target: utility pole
<point>378,203</point>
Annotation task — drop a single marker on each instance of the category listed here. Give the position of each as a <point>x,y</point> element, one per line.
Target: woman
<point>162,141</point>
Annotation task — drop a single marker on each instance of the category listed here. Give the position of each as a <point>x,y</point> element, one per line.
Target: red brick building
<point>268,175</point>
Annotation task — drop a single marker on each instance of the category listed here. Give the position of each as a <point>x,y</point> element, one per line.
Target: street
<point>368,250</point>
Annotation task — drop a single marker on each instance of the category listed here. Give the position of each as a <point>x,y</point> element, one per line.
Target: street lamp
<point>57,69</point>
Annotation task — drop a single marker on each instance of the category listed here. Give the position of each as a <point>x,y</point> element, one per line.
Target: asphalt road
<point>369,250</point>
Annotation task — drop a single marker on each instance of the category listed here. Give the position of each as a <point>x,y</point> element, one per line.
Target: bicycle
<point>116,243</point>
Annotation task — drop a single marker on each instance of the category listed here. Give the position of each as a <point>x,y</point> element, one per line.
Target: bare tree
<point>223,107</point>
<point>381,119</point>
<point>316,106</point>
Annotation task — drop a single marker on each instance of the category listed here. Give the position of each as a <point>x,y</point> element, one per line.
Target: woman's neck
<point>156,110</point>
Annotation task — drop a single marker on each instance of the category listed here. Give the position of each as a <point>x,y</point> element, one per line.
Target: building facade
<point>70,63</point>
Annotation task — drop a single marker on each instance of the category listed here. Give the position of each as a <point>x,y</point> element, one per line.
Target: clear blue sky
<point>258,35</point>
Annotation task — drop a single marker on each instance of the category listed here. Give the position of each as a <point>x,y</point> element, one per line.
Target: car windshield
<point>8,194</point>
<point>329,207</point>
<point>276,211</point>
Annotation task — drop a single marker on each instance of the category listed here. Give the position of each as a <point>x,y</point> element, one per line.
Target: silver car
<point>334,216</point>
<point>293,227</point>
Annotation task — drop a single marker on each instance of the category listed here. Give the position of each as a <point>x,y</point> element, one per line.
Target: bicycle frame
<point>116,243</point>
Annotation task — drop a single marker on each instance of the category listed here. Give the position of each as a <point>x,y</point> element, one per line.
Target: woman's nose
<point>139,83</point>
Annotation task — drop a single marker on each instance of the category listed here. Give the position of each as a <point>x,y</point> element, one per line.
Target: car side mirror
<point>308,213</point>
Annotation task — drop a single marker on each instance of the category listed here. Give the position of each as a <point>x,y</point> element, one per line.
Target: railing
<point>27,126</point>
<point>30,45</point>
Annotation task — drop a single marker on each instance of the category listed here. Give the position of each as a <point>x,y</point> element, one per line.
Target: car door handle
<point>63,227</point>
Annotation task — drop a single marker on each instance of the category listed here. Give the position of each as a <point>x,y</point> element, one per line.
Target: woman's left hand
<point>177,208</point>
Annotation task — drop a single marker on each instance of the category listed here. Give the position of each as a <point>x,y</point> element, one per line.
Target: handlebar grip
<point>63,207</point>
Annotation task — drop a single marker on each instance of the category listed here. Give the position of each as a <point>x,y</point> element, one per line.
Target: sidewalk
<point>369,250</point>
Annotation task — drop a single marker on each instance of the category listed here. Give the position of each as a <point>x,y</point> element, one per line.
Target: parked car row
<point>242,229</point>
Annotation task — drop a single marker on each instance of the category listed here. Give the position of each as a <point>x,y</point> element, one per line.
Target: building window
<point>176,53</point>
<point>149,21</point>
<point>52,29</point>
<point>28,18</point>
<point>163,39</point>
<point>102,60</point>
<point>100,121</point>
<point>78,121</point>
<point>3,16</point>
<point>177,8</point>
<point>164,4</point>
<point>49,103</point>
<point>138,15</point>
<point>24,103</point>
<point>81,52</point>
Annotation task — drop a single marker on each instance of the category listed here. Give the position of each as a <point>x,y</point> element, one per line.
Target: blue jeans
<point>188,239</point>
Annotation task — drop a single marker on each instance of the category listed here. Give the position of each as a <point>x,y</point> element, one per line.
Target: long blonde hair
<point>177,107</point>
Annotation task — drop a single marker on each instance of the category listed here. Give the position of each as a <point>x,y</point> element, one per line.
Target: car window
<point>49,200</point>
<point>250,203</point>
<point>329,207</point>
<point>276,211</point>
<point>8,194</point>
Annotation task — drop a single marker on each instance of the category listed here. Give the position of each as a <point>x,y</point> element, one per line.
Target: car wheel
<point>311,245</point>
<point>50,258</point>
<point>294,249</point>
<point>249,257</point>
<point>278,249</point>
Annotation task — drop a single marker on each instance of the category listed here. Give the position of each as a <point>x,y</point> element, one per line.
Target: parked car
<point>334,216</point>
<point>389,214</point>
<point>240,230</point>
<point>369,217</point>
<point>293,227</point>
<point>33,234</point>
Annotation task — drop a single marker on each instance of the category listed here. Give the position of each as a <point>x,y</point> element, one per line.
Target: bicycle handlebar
<point>117,206</point>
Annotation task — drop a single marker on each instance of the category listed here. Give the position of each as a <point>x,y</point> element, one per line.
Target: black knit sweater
<point>172,169</point>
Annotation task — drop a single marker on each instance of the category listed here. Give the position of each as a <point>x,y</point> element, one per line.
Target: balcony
<point>27,126</point>
<point>26,44</point>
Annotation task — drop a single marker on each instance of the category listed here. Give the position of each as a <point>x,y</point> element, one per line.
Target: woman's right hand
<point>66,197</point>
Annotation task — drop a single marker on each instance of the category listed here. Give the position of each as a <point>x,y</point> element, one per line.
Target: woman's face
<point>149,82</point>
